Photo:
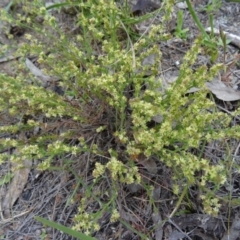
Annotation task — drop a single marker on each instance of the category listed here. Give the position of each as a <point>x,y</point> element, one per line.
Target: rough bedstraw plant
<point>98,64</point>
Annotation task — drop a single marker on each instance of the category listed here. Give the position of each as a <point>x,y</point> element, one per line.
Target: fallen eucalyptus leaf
<point>134,187</point>
<point>148,163</point>
<point>176,235</point>
<point>16,187</point>
<point>156,193</point>
<point>222,91</point>
<point>233,232</point>
<point>157,220</point>
<point>216,86</point>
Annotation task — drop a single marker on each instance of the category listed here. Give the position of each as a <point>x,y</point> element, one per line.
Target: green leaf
<point>6,179</point>
<point>196,20</point>
<point>180,19</point>
<point>236,1</point>
<point>64,229</point>
<point>210,44</point>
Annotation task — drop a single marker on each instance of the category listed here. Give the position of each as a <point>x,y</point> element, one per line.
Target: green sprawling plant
<point>103,64</point>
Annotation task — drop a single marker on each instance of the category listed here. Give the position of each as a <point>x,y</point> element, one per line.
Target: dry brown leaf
<point>234,231</point>
<point>148,163</point>
<point>157,219</point>
<point>134,187</point>
<point>176,235</point>
<point>156,193</point>
<point>222,91</point>
<point>216,86</point>
<point>16,187</point>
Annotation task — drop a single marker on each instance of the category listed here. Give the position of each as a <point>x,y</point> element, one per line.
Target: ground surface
<point>47,193</point>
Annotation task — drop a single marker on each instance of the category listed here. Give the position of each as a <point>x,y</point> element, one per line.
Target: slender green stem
<point>179,201</point>
<point>196,19</point>
<point>236,1</point>
<point>211,25</point>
